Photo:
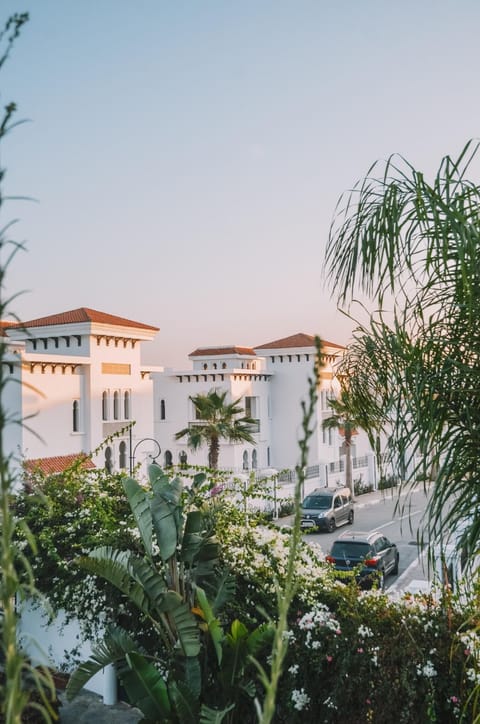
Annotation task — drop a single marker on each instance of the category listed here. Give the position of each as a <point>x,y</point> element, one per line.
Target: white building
<point>82,382</point>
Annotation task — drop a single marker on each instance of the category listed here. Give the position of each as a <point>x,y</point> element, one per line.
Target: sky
<point>183,159</point>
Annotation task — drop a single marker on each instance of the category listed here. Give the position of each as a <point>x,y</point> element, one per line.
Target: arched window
<point>205,366</point>
<point>116,405</point>
<point>75,416</point>
<point>108,460</point>
<point>254,459</point>
<point>245,460</point>
<point>214,365</point>
<point>126,405</point>
<point>168,459</point>
<point>224,365</point>
<point>162,409</point>
<point>123,455</point>
<point>183,458</point>
<point>104,405</point>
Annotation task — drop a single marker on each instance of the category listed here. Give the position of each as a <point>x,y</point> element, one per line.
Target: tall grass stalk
<point>285,596</point>
<point>18,678</point>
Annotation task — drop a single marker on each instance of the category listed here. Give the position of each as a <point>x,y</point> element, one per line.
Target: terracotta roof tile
<point>210,351</point>
<point>57,464</point>
<point>296,340</point>
<point>83,314</point>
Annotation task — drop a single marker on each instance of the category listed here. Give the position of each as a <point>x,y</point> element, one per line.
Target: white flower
<point>300,699</point>
<point>427,670</point>
<point>364,632</point>
<point>293,669</point>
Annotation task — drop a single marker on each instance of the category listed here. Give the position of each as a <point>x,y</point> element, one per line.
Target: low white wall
<point>51,644</point>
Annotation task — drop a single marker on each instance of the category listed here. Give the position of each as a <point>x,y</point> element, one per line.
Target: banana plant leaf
<point>185,702</point>
<point>166,526</point>
<point>139,502</point>
<point>146,688</point>
<point>132,575</point>
<point>115,645</point>
<point>213,716</point>
<point>187,630</point>
<point>193,537</point>
<point>213,624</point>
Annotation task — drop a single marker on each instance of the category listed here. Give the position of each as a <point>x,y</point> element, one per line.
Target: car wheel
<point>395,567</point>
<point>331,525</point>
<point>350,518</point>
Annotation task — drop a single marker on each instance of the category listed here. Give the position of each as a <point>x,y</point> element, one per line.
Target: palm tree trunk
<point>213,452</point>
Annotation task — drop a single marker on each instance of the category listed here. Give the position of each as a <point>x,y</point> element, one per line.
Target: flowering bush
<point>352,657</point>
<point>368,658</point>
<point>69,515</point>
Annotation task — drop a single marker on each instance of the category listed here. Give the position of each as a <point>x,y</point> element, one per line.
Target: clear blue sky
<point>186,156</point>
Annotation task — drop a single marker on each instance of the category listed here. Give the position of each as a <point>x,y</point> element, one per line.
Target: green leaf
<point>165,526</point>
<point>213,624</point>
<point>140,504</point>
<point>213,716</point>
<point>184,701</point>
<point>187,630</point>
<point>146,688</point>
<point>133,576</point>
<point>115,645</point>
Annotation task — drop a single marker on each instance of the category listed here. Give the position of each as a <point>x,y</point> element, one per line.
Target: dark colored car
<point>377,556</point>
<point>326,508</point>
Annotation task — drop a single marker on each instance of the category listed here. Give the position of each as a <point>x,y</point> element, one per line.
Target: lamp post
<point>133,449</point>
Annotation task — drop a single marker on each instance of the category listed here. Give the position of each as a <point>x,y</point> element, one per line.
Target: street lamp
<point>133,450</point>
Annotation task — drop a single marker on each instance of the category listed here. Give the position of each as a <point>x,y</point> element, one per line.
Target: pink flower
<point>467,652</point>
<point>329,659</point>
<point>359,651</point>
<point>367,701</point>
<point>454,699</point>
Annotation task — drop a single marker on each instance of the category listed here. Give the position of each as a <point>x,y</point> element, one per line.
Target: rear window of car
<point>350,549</point>
<point>324,502</point>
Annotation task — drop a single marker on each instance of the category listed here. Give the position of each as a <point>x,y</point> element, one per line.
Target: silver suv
<point>326,508</point>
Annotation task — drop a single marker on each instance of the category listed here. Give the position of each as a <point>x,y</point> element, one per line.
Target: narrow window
<point>183,458</point>
<point>104,406</point>
<point>108,459</point>
<point>224,365</point>
<point>126,406</point>
<point>123,455</point>
<point>254,459</point>
<point>162,409</point>
<point>168,459</point>
<point>205,366</point>
<point>75,415</point>
<point>268,457</point>
<point>245,460</point>
<point>116,411</point>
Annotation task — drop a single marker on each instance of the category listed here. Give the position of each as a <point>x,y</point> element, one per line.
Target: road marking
<point>397,520</point>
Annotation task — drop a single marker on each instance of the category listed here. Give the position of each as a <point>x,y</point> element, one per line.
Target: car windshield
<point>350,549</point>
<point>323,502</point>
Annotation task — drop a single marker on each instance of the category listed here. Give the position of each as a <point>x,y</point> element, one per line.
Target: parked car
<point>374,555</point>
<point>326,508</point>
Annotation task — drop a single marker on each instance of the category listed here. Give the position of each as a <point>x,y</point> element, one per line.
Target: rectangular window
<point>251,407</point>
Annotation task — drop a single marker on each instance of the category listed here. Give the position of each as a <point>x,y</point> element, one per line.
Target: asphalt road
<point>400,520</point>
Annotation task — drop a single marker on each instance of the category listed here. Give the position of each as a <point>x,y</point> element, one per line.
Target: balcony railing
<point>253,428</point>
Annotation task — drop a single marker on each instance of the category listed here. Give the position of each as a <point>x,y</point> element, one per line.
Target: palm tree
<point>344,419</point>
<point>217,420</point>
<point>412,248</point>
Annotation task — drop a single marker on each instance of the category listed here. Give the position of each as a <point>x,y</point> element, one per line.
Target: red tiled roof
<point>296,340</point>
<point>57,464</point>
<point>208,351</point>
<point>5,325</point>
<point>83,314</point>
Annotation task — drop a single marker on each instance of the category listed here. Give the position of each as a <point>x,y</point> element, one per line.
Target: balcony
<point>252,429</point>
